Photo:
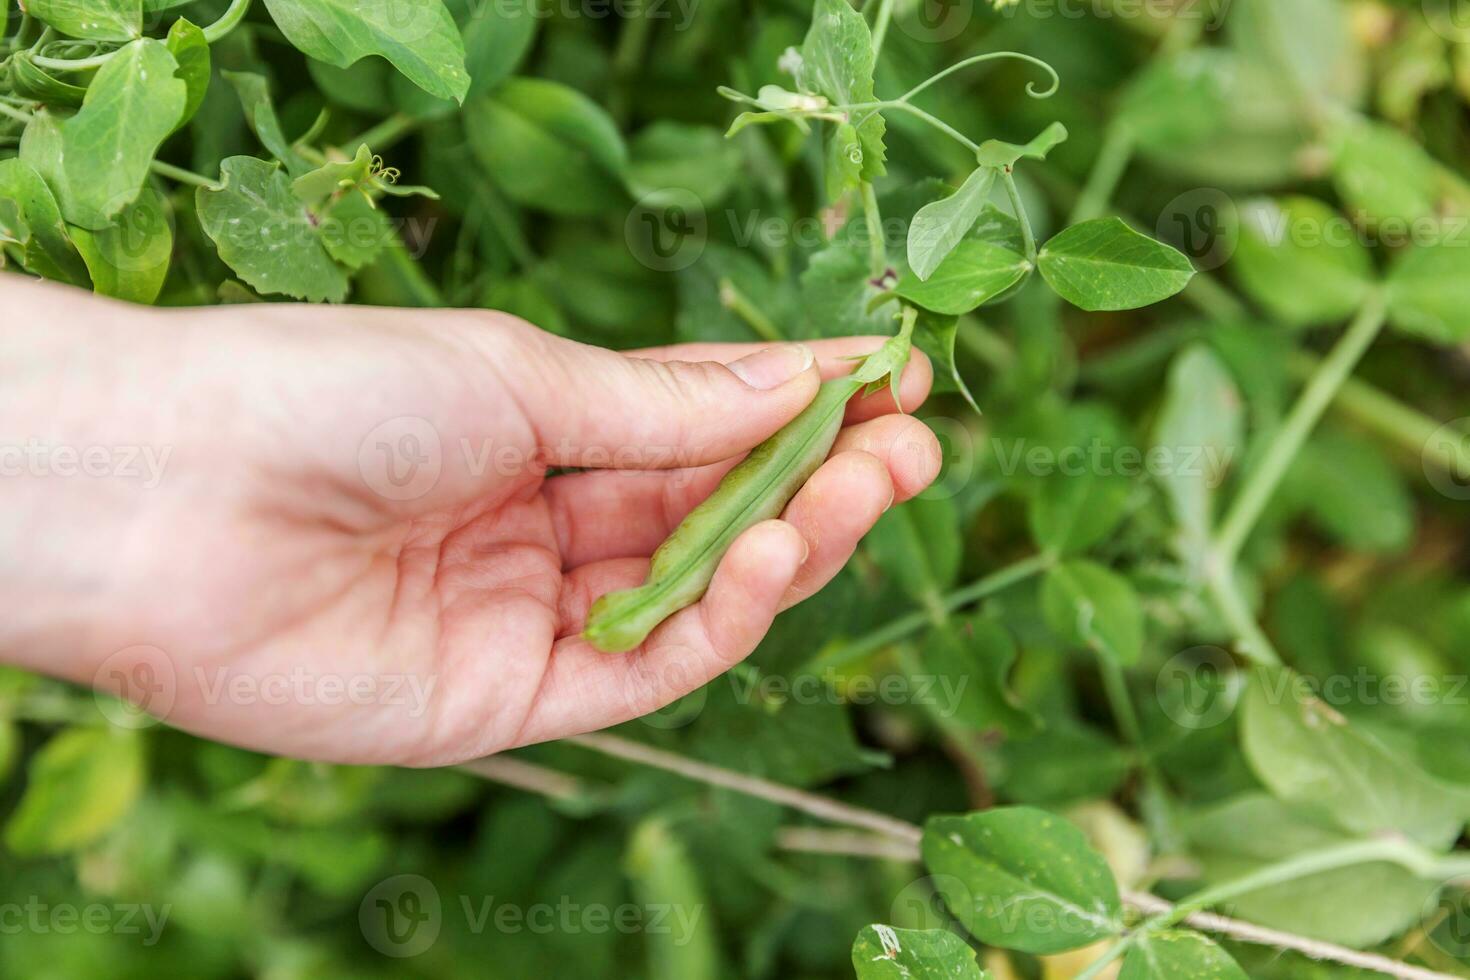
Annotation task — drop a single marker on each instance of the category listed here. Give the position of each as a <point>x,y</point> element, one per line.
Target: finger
<point>585,689</point>
<point>596,408</point>
<point>834,359</point>
<point>604,515</point>
<point>836,507</point>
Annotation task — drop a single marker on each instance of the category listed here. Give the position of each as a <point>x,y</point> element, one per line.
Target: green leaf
<point>1199,430</point>
<point>665,876</point>
<point>1429,292</point>
<point>549,147</point>
<point>935,335</point>
<point>186,42</point>
<point>334,177</point>
<point>940,225</point>
<point>1382,174</point>
<point>260,114</point>
<point>419,38</point>
<point>1176,955</point>
<point>1359,906</point>
<point>844,161</point>
<point>974,273</point>
<point>48,250</point>
<point>1176,102</point>
<point>92,20</point>
<point>1302,261</point>
<point>1072,511</point>
<point>918,544</point>
<point>1353,492</point>
<point>1022,879</point>
<point>80,783</point>
<point>1105,265</point>
<point>132,105</point>
<point>886,953</point>
<point>1091,606</point>
<point>1002,155</point>
<point>37,83</point>
<point>669,161</point>
<point>265,233</point>
<point>970,664</point>
<point>354,231</point>
<point>837,62</point>
<point>1309,755</point>
<point>129,259</point>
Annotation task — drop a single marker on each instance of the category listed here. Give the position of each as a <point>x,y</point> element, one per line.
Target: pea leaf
<point>47,249</point>
<point>353,230</point>
<point>265,233</point>
<point>92,20</point>
<point>1072,511</point>
<point>36,83</point>
<point>1309,755</point>
<point>1022,879</point>
<point>974,273</point>
<point>129,259</point>
<point>669,161</point>
<point>1353,492</point>
<point>334,176</point>
<point>971,663</point>
<point>940,225</point>
<point>1383,174</point>
<point>837,62</point>
<point>1105,265</point>
<point>919,545</point>
<point>260,114</point>
<point>1302,261</point>
<point>885,953</point>
<point>420,39</point>
<point>844,160</point>
<point>935,336</point>
<point>132,105</point>
<point>186,42</point>
<point>1092,606</point>
<point>1429,292</point>
<point>81,782</point>
<point>997,153</point>
<point>1172,953</point>
<point>548,146</point>
<point>1200,428</point>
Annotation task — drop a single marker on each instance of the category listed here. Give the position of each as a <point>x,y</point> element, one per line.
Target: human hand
<point>359,496</point>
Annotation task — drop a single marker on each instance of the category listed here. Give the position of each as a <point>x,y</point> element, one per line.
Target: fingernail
<point>892,496</point>
<point>774,366</point>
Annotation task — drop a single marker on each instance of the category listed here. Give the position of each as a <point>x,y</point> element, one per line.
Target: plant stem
<point>880,25</point>
<point>1262,482</point>
<point>1028,238</point>
<point>877,244</point>
<point>1056,80</point>
<point>385,133</point>
<point>1252,640</point>
<point>732,299</point>
<point>987,346</point>
<point>183,176</point>
<point>16,114</point>
<point>1107,169</point>
<point>897,629</point>
<point>226,23</point>
<point>1101,963</point>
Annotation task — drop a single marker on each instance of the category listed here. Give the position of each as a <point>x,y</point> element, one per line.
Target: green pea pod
<point>756,490</point>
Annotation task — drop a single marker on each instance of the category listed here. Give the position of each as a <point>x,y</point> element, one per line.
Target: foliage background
<point>611,209</point>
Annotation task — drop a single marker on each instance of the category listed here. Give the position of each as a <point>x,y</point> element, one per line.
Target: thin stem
<point>72,64</point>
<point>183,176</point>
<point>986,344</point>
<point>1028,238</point>
<point>16,114</point>
<point>880,25</point>
<point>1105,960</point>
<point>877,244</point>
<point>906,625</point>
<point>1056,80</point>
<point>1262,482</point>
<point>937,123</point>
<point>1251,640</point>
<point>1107,169</point>
<point>227,21</point>
<point>732,299</point>
<point>385,133</point>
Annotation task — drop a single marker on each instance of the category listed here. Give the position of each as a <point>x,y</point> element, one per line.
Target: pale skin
<point>301,587</point>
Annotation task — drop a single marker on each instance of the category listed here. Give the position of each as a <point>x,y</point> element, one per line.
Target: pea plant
<point>1164,677</point>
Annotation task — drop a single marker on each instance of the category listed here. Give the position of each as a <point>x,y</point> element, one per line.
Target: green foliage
<point>1106,265</point>
<point>885,953</point>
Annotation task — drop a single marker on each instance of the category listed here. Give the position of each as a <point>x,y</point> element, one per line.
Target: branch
<point>894,839</point>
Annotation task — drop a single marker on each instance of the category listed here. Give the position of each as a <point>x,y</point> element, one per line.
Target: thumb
<point>597,408</point>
